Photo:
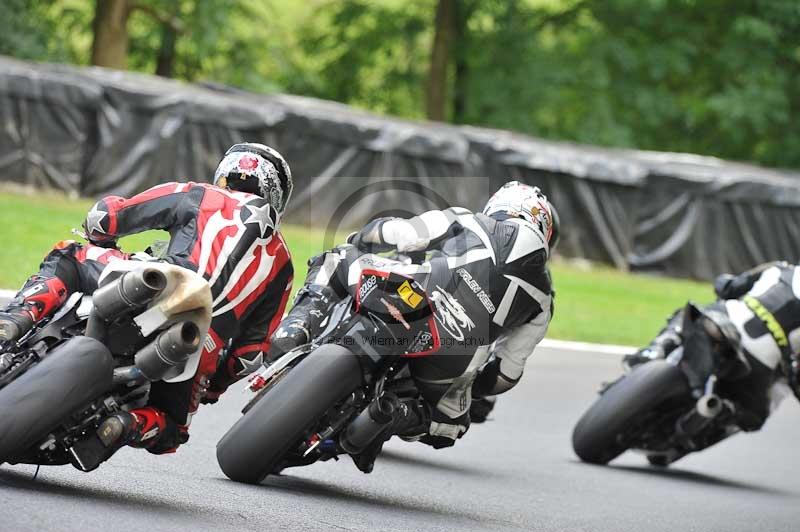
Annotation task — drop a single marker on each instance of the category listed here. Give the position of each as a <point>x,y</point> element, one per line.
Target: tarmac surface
<point>515,472</point>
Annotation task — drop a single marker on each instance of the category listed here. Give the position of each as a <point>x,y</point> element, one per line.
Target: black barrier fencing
<point>92,131</point>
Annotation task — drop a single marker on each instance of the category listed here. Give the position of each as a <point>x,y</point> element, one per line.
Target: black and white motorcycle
<point>336,395</point>
<point>668,408</point>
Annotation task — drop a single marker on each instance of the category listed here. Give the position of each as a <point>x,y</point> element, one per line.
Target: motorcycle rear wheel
<point>599,435</point>
<point>72,375</point>
<point>259,440</point>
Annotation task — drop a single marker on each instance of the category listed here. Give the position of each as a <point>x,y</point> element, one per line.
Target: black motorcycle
<point>337,394</point>
<point>669,408</point>
<point>96,356</point>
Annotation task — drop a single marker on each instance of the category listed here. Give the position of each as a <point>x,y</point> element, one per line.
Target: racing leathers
<point>763,304</point>
<point>231,239</point>
<point>488,280</point>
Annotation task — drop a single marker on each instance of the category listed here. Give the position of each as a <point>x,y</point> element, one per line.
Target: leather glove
<point>722,285</point>
<point>96,238</point>
<point>211,397</point>
<point>213,392</point>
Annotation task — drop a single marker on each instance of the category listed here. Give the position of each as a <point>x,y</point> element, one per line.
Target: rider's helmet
<point>529,203</point>
<point>257,169</point>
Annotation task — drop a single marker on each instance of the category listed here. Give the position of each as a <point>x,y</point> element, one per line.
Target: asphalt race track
<point>517,472</point>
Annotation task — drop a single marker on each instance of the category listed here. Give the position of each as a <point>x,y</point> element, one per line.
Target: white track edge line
<point>584,347</point>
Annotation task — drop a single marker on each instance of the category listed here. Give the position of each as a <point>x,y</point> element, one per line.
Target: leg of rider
<point>663,344</point>
<point>445,383</point>
<point>163,424</point>
<point>411,420</point>
<point>751,395</point>
<point>312,304</point>
<point>442,416</point>
<point>60,274</point>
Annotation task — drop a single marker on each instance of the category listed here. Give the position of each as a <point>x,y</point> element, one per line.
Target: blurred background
<point>703,76</point>
<point>665,131</point>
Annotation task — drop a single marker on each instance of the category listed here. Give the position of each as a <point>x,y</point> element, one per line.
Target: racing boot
<point>411,420</point>
<point>308,316</point>
<point>667,340</point>
<point>304,322</point>
<point>38,298</point>
<point>481,407</point>
<point>141,427</point>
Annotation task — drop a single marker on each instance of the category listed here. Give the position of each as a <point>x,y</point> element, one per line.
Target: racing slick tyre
<point>71,376</point>
<point>603,432</point>
<point>258,441</point>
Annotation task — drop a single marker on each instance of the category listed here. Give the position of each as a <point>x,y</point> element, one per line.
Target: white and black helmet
<point>258,169</point>
<point>529,203</point>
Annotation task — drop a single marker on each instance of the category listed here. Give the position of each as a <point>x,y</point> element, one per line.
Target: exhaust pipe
<point>131,291</point>
<point>368,424</point>
<point>707,408</point>
<point>171,348</point>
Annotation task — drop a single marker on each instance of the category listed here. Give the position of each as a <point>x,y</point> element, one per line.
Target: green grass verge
<point>595,304</point>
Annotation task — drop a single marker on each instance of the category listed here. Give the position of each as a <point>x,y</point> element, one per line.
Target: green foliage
<point>718,77</point>
<point>370,54</point>
<point>36,29</point>
<point>24,38</point>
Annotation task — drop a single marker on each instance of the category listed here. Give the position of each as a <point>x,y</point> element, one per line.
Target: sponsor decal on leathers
<point>482,296</point>
<point>367,287</point>
<point>407,294</point>
<point>451,314</point>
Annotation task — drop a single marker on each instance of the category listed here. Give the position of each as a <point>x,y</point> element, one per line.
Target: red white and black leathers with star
<point>231,239</point>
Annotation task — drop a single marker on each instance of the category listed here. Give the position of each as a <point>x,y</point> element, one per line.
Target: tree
<point>111,43</point>
<point>444,32</point>
<point>463,12</point>
<point>110,29</point>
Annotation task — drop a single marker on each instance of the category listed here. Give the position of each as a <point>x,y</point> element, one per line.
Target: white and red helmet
<point>526,202</point>
<point>258,169</point>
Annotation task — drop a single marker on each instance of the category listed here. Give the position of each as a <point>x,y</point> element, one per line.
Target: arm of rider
<point>248,350</point>
<point>113,216</point>
<point>511,352</point>
<point>408,235</point>
<point>728,286</point>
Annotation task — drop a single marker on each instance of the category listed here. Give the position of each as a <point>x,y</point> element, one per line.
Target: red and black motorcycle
<point>335,395</point>
<point>98,355</point>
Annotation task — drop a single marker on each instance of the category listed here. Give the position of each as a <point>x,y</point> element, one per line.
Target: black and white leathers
<point>764,305</point>
<point>495,269</point>
<point>493,295</point>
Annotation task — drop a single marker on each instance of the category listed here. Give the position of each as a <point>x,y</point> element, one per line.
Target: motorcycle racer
<point>226,232</point>
<point>487,276</point>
